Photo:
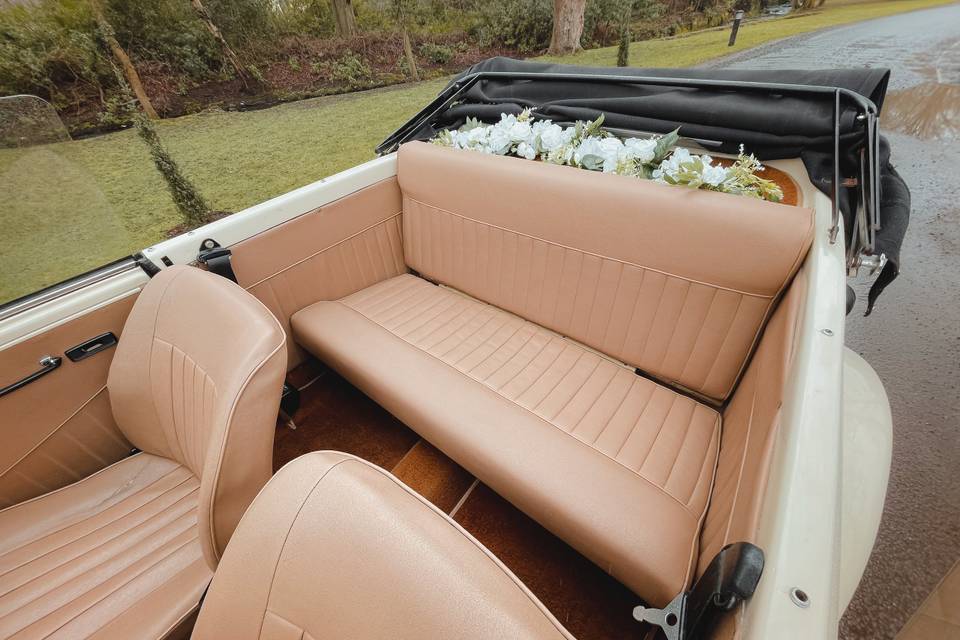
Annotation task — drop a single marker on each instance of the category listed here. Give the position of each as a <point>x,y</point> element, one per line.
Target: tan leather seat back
<point>676,282</point>
<point>334,547</point>
<point>197,378</point>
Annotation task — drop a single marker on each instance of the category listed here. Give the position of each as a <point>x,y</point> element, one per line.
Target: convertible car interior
<point>522,413</point>
<point>577,384</point>
<point>467,390</point>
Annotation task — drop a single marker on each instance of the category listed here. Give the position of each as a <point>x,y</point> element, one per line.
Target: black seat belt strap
<point>216,259</point>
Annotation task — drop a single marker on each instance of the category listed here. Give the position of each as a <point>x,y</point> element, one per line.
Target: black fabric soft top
<point>769,124</point>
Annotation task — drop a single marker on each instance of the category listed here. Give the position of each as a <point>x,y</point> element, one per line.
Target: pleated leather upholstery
<point>618,466</point>
<point>664,437</point>
<point>324,254</point>
<point>195,384</point>
<point>677,283</point>
<point>97,553</point>
<point>561,283</point>
<point>197,378</point>
<point>750,423</point>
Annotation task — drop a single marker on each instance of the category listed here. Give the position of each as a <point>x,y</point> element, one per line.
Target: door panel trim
<point>85,442</point>
<point>66,307</point>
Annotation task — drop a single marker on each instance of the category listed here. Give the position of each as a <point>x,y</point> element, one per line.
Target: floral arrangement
<point>587,146</point>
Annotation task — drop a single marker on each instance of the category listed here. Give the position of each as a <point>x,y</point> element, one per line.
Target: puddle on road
<point>929,111</point>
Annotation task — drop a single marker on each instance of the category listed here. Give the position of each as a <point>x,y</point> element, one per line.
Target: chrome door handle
<point>47,364</point>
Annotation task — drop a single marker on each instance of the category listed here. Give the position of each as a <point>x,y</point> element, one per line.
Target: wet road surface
<point>913,337</point>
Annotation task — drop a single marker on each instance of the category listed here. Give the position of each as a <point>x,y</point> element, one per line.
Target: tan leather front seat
<point>126,553</point>
<point>334,547</point>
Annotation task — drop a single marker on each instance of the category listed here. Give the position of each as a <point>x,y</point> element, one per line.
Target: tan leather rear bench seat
<point>573,280</point>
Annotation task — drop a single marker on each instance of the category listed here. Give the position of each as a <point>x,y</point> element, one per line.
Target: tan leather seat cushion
<point>334,547</point>
<point>115,555</point>
<point>615,464</point>
<point>197,378</point>
<point>676,282</point>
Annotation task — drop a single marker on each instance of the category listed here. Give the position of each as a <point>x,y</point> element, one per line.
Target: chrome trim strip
<point>59,290</point>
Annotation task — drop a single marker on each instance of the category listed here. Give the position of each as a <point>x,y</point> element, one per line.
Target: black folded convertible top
<point>771,125</point>
<point>826,117</point>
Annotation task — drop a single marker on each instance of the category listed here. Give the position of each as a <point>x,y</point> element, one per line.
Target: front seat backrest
<point>334,547</point>
<point>197,378</point>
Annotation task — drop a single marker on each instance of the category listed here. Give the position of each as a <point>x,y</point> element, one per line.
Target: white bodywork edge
<point>816,532</point>
<point>867,453</point>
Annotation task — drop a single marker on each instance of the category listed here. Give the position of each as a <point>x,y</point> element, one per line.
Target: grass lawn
<point>72,206</point>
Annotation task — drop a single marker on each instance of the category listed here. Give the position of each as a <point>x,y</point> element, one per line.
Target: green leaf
<point>593,128</point>
<point>471,123</point>
<point>665,145</point>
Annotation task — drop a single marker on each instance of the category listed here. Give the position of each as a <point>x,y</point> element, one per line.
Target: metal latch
<point>731,578</point>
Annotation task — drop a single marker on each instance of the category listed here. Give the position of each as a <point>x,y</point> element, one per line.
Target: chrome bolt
<point>827,332</point>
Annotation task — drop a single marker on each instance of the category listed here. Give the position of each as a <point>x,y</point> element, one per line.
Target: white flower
<point>550,137</point>
<point>475,138</point>
<point>671,166</point>
<point>611,149</point>
<point>556,144</point>
<point>561,155</point>
<point>498,141</point>
<point>712,174</point>
<point>520,132</point>
<point>527,151</point>
<point>641,150</point>
<point>589,154</point>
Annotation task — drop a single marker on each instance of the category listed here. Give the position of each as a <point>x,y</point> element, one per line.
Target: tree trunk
<point>344,17</point>
<point>218,36</point>
<point>623,51</point>
<point>130,71</point>
<point>408,54</point>
<point>567,25</point>
<point>185,195</point>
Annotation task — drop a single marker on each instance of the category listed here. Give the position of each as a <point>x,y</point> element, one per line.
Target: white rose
<point>476,137</point>
<point>498,141</point>
<point>589,154</point>
<point>713,175</point>
<point>520,132</point>
<point>540,125</point>
<point>640,149</point>
<point>550,137</point>
<point>671,166</point>
<point>525,150</point>
<point>611,149</point>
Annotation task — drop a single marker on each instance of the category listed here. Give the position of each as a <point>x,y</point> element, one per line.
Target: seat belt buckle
<point>731,577</point>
